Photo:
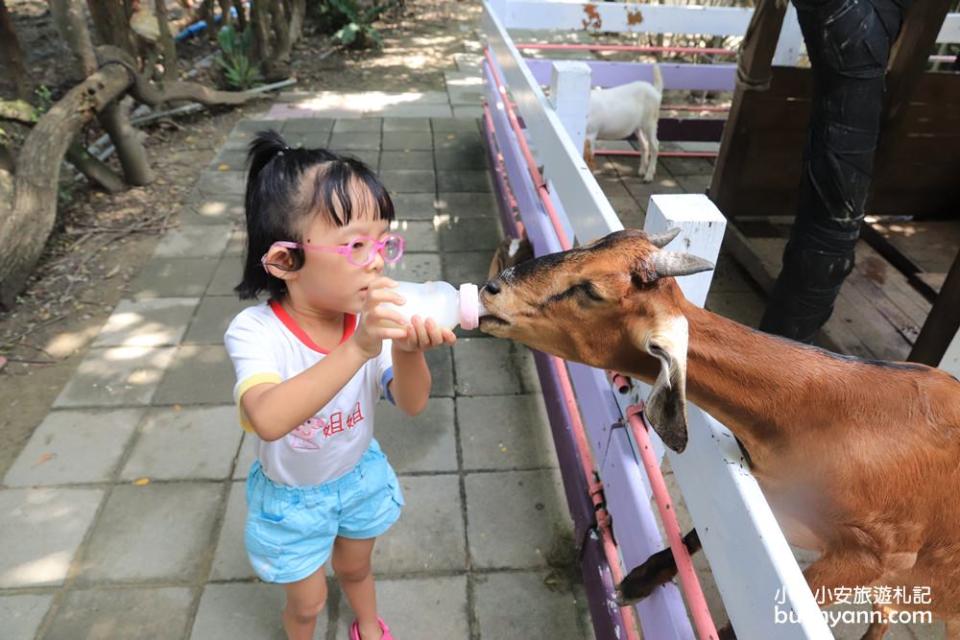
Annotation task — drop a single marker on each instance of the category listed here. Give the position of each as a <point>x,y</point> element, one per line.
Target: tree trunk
<point>12,54</point>
<point>27,214</point>
<point>166,44</point>
<point>95,170</point>
<point>71,24</point>
<point>112,21</point>
<point>298,13</point>
<point>127,140</point>
<point>273,36</point>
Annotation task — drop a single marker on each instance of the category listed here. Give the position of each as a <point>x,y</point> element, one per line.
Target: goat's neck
<point>737,374</point>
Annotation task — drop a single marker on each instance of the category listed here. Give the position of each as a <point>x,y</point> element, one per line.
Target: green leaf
<point>348,34</point>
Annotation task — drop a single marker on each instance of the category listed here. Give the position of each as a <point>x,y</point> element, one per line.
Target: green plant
<point>44,98</point>
<point>239,70</point>
<point>357,30</point>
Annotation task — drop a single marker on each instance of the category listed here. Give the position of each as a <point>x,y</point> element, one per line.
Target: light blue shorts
<point>290,530</point>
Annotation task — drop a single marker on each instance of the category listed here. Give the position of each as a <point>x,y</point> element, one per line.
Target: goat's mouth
<point>490,321</point>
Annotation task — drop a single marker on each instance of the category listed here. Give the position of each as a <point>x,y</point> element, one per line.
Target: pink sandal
<point>355,630</point>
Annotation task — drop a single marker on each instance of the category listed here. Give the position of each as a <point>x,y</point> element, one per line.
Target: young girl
<point>311,363</point>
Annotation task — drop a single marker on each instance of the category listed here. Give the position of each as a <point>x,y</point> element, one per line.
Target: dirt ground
<point>102,241</point>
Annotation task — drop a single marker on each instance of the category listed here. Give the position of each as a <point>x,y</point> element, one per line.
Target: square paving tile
<point>41,530</point>
<point>198,241</point>
<point>451,160</point>
<point>409,181</point>
<point>221,182</point>
<point>22,614</point>
<point>488,366</point>
<point>157,322</point>
<point>516,518</point>
<point>116,376</point>
<point>213,317</point>
<point>173,278</point>
<point>295,125</point>
<point>416,267</point>
<point>185,443</point>
<point>419,235</point>
<point>107,614</point>
<point>356,125</point>
<point>152,532</point>
<point>470,234</point>
<point>212,209</point>
<point>467,205</point>
<point>237,243</point>
<point>426,442</point>
<point>467,266</point>
<point>226,275</point>
<point>308,139</point>
<point>413,206</point>
<point>254,125</point>
<point>366,140</point>
<point>74,447</point>
<point>521,605</point>
<point>407,140</point>
<point>406,124</point>
<point>505,432</point>
<point>440,362</point>
<point>421,160</point>
<point>370,158</point>
<point>244,611</point>
<point>424,608</point>
<point>197,375</point>
<point>248,453</point>
<point>468,110</point>
<point>464,181</point>
<point>455,125</point>
<point>230,561</point>
<point>429,535</point>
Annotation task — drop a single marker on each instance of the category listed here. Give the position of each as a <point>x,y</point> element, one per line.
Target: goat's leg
<point>953,629</point>
<point>653,153</point>
<point>844,567</point>
<point>645,150</point>
<point>659,569</point>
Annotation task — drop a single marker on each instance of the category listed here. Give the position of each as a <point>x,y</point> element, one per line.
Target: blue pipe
<point>200,25</point>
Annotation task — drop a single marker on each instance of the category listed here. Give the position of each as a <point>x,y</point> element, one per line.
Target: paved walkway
<point>123,515</point>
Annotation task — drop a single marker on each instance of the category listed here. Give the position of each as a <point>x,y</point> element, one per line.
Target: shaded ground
<point>103,241</point>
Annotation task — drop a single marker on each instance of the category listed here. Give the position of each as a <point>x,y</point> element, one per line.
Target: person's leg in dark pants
<point>849,43</point>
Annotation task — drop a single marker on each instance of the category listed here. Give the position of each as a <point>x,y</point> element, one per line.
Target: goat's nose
<point>492,287</point>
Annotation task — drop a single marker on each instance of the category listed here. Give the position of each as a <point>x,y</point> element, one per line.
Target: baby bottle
<point>441,301</point>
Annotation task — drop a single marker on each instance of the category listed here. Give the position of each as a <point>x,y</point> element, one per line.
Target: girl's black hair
<point>279,204</point>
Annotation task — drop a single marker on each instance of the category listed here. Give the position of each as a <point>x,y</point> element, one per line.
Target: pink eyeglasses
<point>359,251</point>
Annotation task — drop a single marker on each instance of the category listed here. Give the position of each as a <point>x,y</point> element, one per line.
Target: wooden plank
<point>943,322</point>
<point>617,17</point>
<point>754,67</point>
<point>908,57</point>
<point>874,268</point>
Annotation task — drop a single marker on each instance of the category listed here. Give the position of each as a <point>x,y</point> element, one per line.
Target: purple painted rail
<point>707,77</point>
<point>662,615</point>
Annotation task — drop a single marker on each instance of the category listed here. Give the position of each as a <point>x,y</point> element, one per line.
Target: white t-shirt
<point>266,345</point>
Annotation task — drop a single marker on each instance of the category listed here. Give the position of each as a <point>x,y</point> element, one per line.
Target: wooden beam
<point>908,58</point>
<point>942,323</point>
<point>753,74</point>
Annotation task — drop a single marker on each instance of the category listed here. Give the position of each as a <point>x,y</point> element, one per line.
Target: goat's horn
<point>660,240</point>
<point>674,263</point>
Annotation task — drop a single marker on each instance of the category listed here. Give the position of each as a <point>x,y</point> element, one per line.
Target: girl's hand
<point>376,322</point>
<point>422,335</point>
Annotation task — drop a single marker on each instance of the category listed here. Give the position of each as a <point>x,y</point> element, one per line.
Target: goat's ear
<point>666,407</point>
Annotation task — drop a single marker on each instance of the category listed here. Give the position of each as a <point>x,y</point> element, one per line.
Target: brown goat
<point>858,459</point>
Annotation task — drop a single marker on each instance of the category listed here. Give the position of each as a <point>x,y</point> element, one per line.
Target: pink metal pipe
<point>702,620</point>
<point>526,46</point>
<point>691,585</point>
<point>566,387</point>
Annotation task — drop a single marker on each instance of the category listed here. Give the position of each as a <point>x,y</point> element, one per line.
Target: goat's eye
<point>585,288</point>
